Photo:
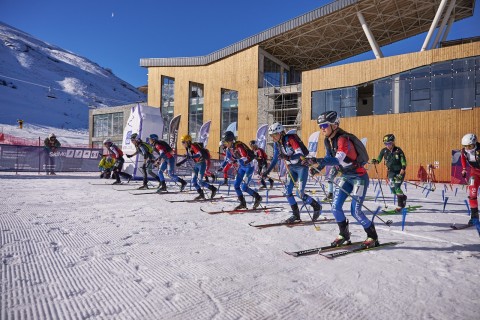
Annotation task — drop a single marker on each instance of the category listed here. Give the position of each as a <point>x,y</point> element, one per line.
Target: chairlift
<point>50,94</point>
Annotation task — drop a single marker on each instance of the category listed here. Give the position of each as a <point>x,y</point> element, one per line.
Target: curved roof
<point>332,32</point>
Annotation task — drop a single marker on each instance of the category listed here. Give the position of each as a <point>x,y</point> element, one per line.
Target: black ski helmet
<point>389,138</point>
<point>253,142</point>
<point>228,136</point>
<point>330,117</point>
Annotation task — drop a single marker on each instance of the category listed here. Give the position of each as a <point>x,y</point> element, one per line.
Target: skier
<point>292,151</point>
<point>396,165</point>
<point>105,166</point>
<point>51,145</point>
<point>146,151</point>
<point>165,153</point>
<point>239,152</point>
<point>261,157</point>
<point>226,164</point>
<point>117,154</point>
<point>349,156</point>
<point>198,154</point>
<point>470,154</point>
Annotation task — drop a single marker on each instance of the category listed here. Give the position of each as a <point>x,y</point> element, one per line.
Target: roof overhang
<point>333,32</point>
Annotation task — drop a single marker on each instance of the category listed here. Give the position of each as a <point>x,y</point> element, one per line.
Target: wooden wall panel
<point>238,72</point>
<point>425,137</point>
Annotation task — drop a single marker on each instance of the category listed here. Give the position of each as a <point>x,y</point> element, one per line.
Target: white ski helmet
<point>276,128</point>
<point>107,141</point>
<point>51,136</point>
<point>329,117</point>
<point>469,139</point>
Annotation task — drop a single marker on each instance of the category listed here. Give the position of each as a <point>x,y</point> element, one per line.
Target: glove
<point>464,173</point>
<point>374,161</point>
<point>284,156</point>
<point>220,169</point>
<point>398,177</point>
<point>129,155</point>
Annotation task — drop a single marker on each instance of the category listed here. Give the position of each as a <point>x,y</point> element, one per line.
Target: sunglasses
<point>469,147</point>
<point>324,125</point>
<point>388,143</point>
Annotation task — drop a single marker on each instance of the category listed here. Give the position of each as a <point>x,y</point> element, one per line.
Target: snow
<point>75,248</point>
<point>32,71</point>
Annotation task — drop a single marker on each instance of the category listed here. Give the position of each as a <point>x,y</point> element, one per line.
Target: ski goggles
<point>469,146</point>
<point>324,125</point>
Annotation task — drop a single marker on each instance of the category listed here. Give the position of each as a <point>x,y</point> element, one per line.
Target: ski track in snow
<point>73,250</point>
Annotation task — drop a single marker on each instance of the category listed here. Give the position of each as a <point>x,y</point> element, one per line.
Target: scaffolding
<point>284,105</point>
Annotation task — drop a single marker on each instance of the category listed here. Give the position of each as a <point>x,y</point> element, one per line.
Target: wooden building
<point>274,76</point>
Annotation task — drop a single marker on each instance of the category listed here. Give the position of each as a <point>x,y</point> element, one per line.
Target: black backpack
<point>250,152</point>
<point>165,145</point>
<point>204,152</point>
<point>300,143</point>
<point>362,154</point>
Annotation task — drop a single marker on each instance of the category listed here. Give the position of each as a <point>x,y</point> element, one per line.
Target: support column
<point>434,24</point>
<point>450,23</point>
<point>376,49</point>
<point>441,29</point>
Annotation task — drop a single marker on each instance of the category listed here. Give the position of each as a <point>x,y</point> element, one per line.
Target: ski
<point>156,192</point>
<point>311,251</point>
<point>354,249</point>
<point>104,184</point>
<point>394,211</point>
<point>199,200</point>
<point>241,210</point>
<point>461,226</point>
<point>283,223</point>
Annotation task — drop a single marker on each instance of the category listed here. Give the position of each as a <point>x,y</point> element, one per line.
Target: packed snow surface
<point>73,247</point>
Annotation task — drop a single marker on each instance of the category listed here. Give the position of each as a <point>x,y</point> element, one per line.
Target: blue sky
<point>116,34</point>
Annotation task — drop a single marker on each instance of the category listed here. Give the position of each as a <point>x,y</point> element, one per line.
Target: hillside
<point>47,86</point>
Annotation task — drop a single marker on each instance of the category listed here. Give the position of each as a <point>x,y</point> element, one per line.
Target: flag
<point>232,127</point>
<point>261,139</point>
<point>204,133</point>
<point>313,144</point>
<point>173,132</point>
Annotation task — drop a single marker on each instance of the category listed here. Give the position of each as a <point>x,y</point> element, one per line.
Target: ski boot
<point>264,185</point>
<point>372,237</point>
<point>295,216</point>
<point>130,177</point>
<point>162,187</point>
<point>258,200</point>
<point>213,190</point>
<point>143,187</point>
<point>225,182</point>
<point>473,216</point>
<point>328,198</point>
<point>183,184</point>
<point>343,236</point>
<point>117,182</point>
<point>271,183</point>
<point>317,208</point>
<point>242,205</point>
<point>201,195</point>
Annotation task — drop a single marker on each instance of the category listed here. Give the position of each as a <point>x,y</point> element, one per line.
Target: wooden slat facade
<point>425,137</point>
<point>238,72</point>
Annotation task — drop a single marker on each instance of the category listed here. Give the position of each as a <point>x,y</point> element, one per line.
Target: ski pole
<point>416,185</point>
<point>388,222</point>
<point>380,185</point>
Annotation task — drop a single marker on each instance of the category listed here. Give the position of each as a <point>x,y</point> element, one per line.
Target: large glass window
<point>463,95</point>
<point>108,125</point>
<point>343,101</point>
<point>441,79</point>
<point>229,111</point>
<point>272,72</point>
<point>167,103</point>
<point>195,109</point>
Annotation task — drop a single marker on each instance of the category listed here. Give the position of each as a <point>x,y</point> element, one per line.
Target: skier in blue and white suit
<point>287,147</point>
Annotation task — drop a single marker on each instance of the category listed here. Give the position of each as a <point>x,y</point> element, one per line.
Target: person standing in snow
<point>166,159</point>
<point>288,147</point>
<point>238,151</point>
<point>51,145</point>
<point>343,153</point>
<point>396,165</point>
<point>199,156</point>
<point>145,150</point>
<point>262,164</point>
<point>116,153</point>
<point>470,154</point>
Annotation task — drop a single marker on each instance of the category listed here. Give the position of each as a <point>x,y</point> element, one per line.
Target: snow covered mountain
<point>47,86</point>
